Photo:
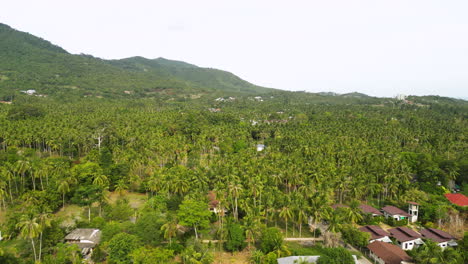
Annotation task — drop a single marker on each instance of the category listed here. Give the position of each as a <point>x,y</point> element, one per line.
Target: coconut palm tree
<point>121,188</point>
<point>64,188</point>
<point>286,213</point>
<point>44,222</point>
<point>170,229</point>
<point>29,229</point>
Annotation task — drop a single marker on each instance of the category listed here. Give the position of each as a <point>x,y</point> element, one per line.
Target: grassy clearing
<point>221,257</point>
<point>136,200</point>
<point>297,249</point>
<point>69,214</point>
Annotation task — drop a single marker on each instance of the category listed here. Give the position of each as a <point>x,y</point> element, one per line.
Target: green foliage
<point>144,255</point>
<point>193,213</point>
<point>111,229</point>
<point>463,244</point>
<point>395,223</point>
<point>335,256</point>
<point>430,252</point>
<point>64,254</point>
<point>99,254</point>
<point>303,250</point>
<point>52,235</point>
<point>196,255</point>
<point>368,219</point>
<point>120,247</point>
<point>256,257</point>
<point>33,63</point>
<point>235,237</point>
<point>21,112</point>
<point>120,211</point>
<point>181,143</point>
<point>271,240</point>
<point>8,257</point>
<point>354,236</point>
<point>148,228</point>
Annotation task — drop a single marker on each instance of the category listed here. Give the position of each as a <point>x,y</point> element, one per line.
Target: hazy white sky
<point>376,47</point>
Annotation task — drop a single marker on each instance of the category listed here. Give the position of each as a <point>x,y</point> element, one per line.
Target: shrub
<point>271,240</point>
<point>335,256</point>
<point>120,247</point>
<point>235,238</point>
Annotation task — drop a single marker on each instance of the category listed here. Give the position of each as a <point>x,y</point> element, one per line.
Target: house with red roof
<point>406,238</point>
<point>442,238</point>
<point>457,198</point>
<point>386,253</point>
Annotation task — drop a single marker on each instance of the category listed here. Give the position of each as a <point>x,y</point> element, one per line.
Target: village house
<point>406,238</point>
<point>377,233</point>
<point>214,204</point>
<point>442,238</point>
<point>395,213</point>
<point>386,253</point>
<point>85,238</point>
<point>29,92</point>
<point>367,209</point>
<point>457,198</point>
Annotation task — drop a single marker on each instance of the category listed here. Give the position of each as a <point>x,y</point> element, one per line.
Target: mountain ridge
<point>30,62</point>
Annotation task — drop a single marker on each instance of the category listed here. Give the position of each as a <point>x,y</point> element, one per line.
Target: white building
<point>406,238</point>
<point>442,238</point>
<point>260,147</point>
<point>386,253</point>
<point>377,233</point>
<point>395,213</point>
<point>401,97</point>
<point>413,209</point>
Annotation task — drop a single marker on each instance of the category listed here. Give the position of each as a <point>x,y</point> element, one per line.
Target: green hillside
<point>29,62</point>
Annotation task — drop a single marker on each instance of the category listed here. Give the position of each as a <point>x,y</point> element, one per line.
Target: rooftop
<point>404,234</point>
<point>436,235</point>
<point>457,198</point>
<point>375,231</point>
<point>395,211</point>
<point>294,259</point>
<point>369,209</point>
<point>84,236</point>
<point>389,253</point>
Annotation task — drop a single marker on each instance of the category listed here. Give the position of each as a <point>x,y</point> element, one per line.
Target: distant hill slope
<point>201,77</point>
<point>29,62</point>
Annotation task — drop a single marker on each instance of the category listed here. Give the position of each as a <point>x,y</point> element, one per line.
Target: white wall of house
<point>443,245</point>
<point>396,217</point>
<point>408,245</point>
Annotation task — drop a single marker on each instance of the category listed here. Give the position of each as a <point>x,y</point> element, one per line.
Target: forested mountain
<point>29,62</point>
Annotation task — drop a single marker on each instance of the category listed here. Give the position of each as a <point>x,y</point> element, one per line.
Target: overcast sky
<point>377,47</point>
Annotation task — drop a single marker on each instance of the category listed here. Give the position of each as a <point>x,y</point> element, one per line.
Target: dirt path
<point>293,239</point>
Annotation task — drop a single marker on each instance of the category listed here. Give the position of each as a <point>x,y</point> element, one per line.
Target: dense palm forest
<point>90,149</point>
